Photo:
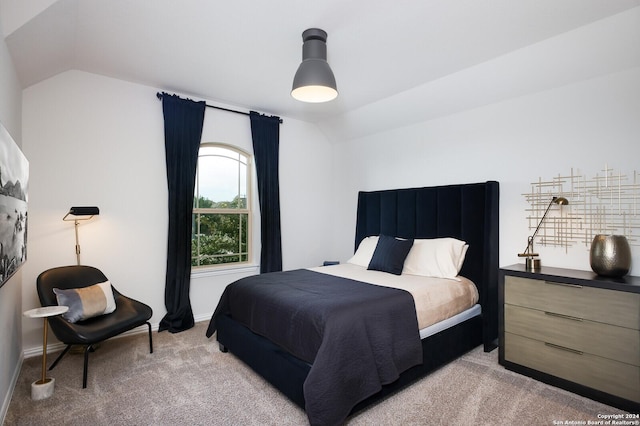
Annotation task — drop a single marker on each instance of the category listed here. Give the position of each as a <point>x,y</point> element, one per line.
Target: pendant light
<point>314,81</point>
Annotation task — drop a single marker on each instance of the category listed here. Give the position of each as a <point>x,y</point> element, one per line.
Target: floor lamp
<point>76,214</point>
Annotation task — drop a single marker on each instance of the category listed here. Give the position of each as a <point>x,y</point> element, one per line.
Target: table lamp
<point>532,262</point>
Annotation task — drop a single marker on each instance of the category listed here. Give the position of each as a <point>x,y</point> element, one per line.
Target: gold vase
<point>610,255</point>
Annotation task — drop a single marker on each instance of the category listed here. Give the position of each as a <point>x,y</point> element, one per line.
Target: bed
<point>467,212</point>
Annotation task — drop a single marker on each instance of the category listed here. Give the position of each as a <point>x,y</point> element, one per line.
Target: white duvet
<point>436,299</point>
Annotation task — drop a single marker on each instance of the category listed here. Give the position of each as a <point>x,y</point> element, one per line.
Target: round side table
<point>43,388</point>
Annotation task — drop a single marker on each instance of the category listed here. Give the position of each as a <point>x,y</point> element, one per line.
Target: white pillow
<point>462,256</point>
<point>363,255</point>
<point>436,257</point>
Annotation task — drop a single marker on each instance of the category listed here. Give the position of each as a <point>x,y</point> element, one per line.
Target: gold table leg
<point>44,354</point>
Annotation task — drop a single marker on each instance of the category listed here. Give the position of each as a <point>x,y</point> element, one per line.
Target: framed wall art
<point>14,180</point>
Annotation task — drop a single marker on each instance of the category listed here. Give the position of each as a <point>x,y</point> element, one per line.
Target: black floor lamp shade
<point>76,214</point>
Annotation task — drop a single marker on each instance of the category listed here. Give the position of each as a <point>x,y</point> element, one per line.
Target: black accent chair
<point>128,315</point>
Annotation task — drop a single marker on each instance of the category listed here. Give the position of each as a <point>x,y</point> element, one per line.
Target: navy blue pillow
<point>390,254</point>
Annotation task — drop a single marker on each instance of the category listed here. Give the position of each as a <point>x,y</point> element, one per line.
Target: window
<point>221,207</point>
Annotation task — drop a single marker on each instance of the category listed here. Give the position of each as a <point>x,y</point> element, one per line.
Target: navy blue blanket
<point>357,336</point>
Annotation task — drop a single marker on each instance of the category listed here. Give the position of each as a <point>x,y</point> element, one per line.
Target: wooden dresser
<point>573,329</point>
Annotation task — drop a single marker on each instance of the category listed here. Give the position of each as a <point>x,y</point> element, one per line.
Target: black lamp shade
<point>84,211</point>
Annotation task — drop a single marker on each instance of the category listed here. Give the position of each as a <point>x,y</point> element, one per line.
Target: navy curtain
<point>183,120</point>
<point>265,132</point>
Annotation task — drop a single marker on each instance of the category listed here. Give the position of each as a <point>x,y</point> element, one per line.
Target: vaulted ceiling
<point>245,52</point>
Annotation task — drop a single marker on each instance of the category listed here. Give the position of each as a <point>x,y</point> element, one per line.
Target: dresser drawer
<point>595,304</point>
<point>613,377</point>
<point>608,341</point>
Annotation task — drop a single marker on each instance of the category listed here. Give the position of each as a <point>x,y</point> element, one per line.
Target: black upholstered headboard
<point>469,212</point>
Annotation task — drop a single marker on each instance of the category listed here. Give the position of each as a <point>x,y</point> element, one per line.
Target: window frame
<point>247,210</point>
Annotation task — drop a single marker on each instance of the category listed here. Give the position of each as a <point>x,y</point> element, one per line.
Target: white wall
<point>93,140</point>
<point>10,293</point>
<point>584,124</point>
<point>96,140</point>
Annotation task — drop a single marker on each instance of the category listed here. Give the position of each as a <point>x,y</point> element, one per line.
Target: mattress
<point>440,302</point>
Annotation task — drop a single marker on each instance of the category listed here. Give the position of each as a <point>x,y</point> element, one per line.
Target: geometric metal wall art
<point>607,203</point>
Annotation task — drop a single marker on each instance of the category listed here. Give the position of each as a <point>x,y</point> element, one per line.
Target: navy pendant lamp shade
<point>314,81</point>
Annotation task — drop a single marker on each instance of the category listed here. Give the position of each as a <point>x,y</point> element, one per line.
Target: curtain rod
<point>159,95</point>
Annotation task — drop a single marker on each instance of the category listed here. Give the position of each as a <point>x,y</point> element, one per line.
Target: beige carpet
<point>187,381</point>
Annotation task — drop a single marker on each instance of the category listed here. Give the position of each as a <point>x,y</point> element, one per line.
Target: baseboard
<point>9,394</point>
<point>54,347</point>
<point>203,317</point>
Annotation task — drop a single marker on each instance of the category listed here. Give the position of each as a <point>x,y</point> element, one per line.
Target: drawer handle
<point>564,284</point>
<point>569,317</point>
<point>574,351</point>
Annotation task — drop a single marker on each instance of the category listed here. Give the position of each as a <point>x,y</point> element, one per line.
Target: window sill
<point>224,270</point>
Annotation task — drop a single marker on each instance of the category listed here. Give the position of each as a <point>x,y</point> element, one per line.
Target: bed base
<point>469,212</point>
<point>288,373</point>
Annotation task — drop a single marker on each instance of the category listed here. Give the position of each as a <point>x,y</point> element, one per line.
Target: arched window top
<point>211,149</point>
<point>221,177</point>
